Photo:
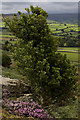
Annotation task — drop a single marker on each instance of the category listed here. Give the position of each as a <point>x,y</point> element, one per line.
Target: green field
<point>71,110</point>
<point>6,36</point>
<point>71,52</point>
<point>67,32</point>
<point>56,28</point>
<point>59,26</point>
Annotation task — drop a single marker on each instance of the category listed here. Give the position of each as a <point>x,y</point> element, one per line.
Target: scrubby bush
<point>7,116</point>
<point>5,93</point>
<point>25,109</point>
<point>4,47</point>
<point>7,46</point>
<point>6,42</point>
<point>6,60</point>
<point>51,74</point>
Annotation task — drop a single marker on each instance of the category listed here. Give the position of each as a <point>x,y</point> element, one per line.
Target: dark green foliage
<point>51,74</point>
<point>6,61</point>
<point>68,33</point>
<point>6,42</point>
<point>4,47</point>
<point>7,46</point>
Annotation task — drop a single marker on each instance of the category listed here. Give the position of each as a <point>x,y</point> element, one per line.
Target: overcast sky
<point>51,7</point>
<point>40,0</point>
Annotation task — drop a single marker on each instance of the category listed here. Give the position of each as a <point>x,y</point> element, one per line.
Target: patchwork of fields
<point>58,30</point>
<point>67,32</point>
<point>4,33</point>
<point>71,52</point>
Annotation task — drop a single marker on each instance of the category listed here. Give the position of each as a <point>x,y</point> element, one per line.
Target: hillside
<point>66,31</point>
<point>64,18</point>
<point>63,28</point>
<point>49,71</point>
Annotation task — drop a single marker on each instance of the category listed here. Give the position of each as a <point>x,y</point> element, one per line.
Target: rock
<point>26,98</point>
<point>16,87</point>
<point>7,81</point>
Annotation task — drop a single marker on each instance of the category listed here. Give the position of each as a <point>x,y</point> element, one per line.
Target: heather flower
<point>11,104</point>
<point>15,105</point>
<point>27,109</point>
<point>23,111</point>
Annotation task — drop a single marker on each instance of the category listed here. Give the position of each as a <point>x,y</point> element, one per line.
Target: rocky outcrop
<point>16,87</point>
<point>26,98</point>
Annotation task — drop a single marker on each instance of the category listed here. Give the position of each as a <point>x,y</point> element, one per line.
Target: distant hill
<point>64,18</point>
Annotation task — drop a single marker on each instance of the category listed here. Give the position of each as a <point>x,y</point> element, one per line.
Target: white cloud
<point>50,7</point>
<point>0,7</point>
<point>13,7</point>
<point>24,0</point>
<point>40,0</point>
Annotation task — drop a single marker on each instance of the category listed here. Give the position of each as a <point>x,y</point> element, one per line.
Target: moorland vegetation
<point>51,75</point>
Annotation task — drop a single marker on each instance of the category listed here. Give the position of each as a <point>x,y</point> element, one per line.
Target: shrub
<point>7,116</point>
<point>7,46</point>
<point>25,109</point>
<point>5,93</point>
<point>4,47</point>
<point>51,74</point>
<point>6,42</point>
<point>6,60</point>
